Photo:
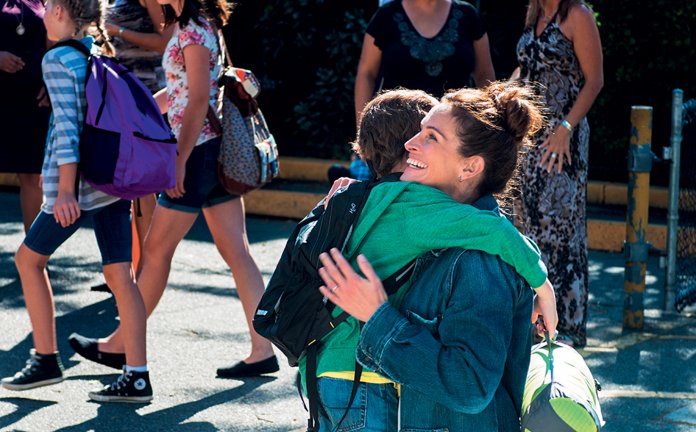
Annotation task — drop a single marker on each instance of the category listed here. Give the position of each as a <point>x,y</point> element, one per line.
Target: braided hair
<point>87,13</point>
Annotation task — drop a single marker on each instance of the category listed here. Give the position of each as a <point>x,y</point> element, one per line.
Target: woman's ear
<point>472,167</point>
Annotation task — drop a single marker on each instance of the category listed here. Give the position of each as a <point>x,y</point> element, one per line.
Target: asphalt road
<point>648,377</point>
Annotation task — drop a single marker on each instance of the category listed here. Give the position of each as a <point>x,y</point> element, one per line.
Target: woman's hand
<point>111,29</point>
<point>10,63</point>
<point>545,305</point>
<point>178,190</point>
<point>556,149</point>
<point>66,210</point>
<point>348,290</point>
<point>42,98</point>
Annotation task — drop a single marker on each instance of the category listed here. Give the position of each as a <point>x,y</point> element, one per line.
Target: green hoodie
<point>403,220</point>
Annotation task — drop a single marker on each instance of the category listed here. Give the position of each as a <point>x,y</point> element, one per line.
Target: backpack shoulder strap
<point>76,44</point>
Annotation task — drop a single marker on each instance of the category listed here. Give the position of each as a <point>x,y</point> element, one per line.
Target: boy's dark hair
<point>387,122</point>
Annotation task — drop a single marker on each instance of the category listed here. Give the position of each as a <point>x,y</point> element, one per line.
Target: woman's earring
<point>460,178</point>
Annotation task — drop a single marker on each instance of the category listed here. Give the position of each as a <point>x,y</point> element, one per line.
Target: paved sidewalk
<point>648,377</point>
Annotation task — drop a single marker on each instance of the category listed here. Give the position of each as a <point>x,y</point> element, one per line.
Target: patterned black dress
<point>22,122</point>
<point>552,205</point>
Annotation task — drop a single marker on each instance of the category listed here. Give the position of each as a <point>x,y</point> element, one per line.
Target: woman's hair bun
<point>518,107</point>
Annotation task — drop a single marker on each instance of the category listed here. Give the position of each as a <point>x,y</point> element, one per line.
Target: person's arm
<point>10,63</point>
<point>588,49</point>
<point>461,369</point>
<point>161,99</point>
<point>483,69</point>
<point>366,76</point>
<point>150,41</point>
<point>198,78</point>
<point>515,74</point>
<point>62,87</point>
<point>465,226</point>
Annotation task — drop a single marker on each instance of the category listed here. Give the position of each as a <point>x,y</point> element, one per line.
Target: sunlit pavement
<point>648,377</point>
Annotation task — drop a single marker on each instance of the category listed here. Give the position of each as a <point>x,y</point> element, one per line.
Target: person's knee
<point>118,275</point>
<point>28,260</point>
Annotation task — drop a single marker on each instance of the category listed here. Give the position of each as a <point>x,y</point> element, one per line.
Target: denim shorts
<point>203,189</point>
<point>375,407</point>
<point>112,228</point>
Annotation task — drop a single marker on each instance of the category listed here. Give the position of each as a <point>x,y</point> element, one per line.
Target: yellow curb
<point>645,394</point>
<point>307,169</point>
<point>610,235</point>
<point>276,203</point>
<point>9,179</point>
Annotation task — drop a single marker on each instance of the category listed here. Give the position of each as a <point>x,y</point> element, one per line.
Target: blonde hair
<point>89,12</point>
<point>535,9</point>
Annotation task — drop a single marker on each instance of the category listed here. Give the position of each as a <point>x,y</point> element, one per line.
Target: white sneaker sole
<point>22,387</point>
<point>124,399</point>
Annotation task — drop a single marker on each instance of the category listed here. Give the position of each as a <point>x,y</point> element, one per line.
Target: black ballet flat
<point>89,349</point>
<point>242,369</point>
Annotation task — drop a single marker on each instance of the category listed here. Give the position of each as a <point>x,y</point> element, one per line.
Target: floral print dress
<point>552,205</point>
<point>177,83</point>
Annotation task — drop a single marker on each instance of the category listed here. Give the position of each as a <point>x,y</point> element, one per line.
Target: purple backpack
<point>127,149</point>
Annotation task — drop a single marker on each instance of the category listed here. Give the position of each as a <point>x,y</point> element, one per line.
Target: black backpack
<point>292,313</point>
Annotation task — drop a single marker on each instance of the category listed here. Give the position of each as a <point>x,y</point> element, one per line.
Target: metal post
<point>673,205</point>
<point>636,247</point>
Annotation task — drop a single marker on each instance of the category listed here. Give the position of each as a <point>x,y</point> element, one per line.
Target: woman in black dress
<point>23,106</point>
<point>423,45</point>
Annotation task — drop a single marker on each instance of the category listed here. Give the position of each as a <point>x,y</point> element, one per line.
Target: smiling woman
<point>466,150</point>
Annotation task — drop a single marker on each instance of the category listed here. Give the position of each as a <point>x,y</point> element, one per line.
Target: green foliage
<point>306,52</point>
<point>649,50</point>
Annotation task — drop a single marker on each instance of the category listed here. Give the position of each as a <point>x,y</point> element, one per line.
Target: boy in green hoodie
<point>402,220</point>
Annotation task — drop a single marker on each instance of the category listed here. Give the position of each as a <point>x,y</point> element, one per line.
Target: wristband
<point>566,124</point>
<point>121,30</point>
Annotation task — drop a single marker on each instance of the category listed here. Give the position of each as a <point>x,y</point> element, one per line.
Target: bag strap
<point>224,52</point>
<point>312,387</point>
<point>550,344</point>
<point>73,43</point>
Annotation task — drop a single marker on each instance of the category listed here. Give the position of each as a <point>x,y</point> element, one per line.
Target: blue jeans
<point>112,228</point>
<point>374,409</point>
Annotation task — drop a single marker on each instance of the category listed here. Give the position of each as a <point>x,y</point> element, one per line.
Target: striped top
<point>64,72</point>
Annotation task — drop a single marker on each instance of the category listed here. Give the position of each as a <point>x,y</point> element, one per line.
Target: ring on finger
<point>553,155</point>
<point>334,288</point>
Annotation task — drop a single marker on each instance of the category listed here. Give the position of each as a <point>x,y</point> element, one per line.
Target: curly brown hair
<point>496,123</point>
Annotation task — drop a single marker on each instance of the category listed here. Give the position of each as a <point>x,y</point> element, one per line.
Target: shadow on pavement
<point>126,417</point>
<point>24,407</point>
<point>93,320</point>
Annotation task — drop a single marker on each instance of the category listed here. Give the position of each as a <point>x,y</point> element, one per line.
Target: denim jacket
<point>459,344</point>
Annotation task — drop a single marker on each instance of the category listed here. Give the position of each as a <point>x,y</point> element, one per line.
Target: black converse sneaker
<point>40,370</point>
<point>129,387</point>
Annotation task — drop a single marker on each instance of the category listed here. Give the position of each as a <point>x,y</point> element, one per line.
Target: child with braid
<point>67,204</point>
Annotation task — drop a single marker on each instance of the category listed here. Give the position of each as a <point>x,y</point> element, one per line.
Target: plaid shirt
<point>64,72</point>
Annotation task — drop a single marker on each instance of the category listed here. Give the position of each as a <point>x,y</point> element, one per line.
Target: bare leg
<point>227,225</point>
<point>146,207</point>
<point>166,231</point>
<point>38,297</point>
<point>131,310</point>
<point>30,197</point>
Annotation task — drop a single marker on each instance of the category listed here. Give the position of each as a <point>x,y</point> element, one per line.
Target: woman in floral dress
<point>560,49</point>
<point>192,67</point>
